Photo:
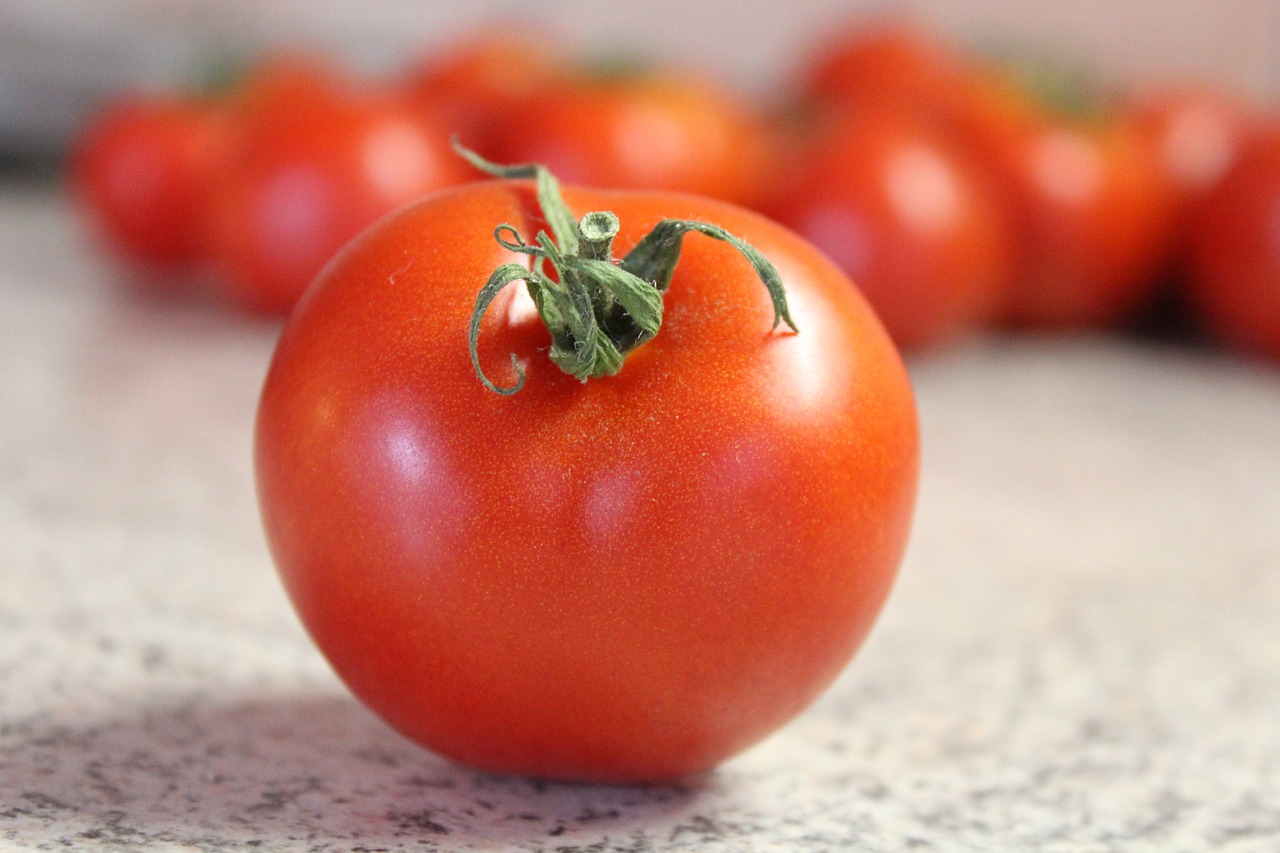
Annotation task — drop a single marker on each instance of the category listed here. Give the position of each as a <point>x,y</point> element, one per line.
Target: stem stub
<point>597,308</point>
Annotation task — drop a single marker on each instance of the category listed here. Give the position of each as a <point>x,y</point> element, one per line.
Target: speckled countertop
<point>1083,652</point>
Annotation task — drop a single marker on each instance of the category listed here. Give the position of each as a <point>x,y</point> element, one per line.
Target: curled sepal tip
<point>502,276</point>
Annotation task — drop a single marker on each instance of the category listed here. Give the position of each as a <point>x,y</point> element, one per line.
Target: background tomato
<point>1235,243</point>
<point>475,82</point>
<point>906,215</point>
<point>143,169</point>
<point>889,59</point>
<point>1196,133</point>
<point>626,579</point>
<point>1085,198</point>
<point>311,166</point>
<point>640,131</point>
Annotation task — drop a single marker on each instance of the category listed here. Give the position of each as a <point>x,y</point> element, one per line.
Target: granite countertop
<point>1083,651</point>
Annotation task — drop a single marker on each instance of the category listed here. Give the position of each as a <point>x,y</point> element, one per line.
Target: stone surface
<point>1083,652</point>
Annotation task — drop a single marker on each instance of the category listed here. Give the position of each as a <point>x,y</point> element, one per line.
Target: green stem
<point>597,309</point>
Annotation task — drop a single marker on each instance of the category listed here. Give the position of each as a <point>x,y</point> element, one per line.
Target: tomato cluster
<point>1096,196</point>
<point>959,193</point>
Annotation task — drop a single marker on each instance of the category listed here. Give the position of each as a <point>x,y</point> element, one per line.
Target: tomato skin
<point>311,166</point>
<point>142,169</point>
<point>907,216</point>
<point>623,580</point>
<point>645,131</point>
<point>1235,251</point>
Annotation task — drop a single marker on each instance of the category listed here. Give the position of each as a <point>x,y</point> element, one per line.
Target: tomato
<point>1235,251</point>
<point>1086,200</point>
<point>885,59</point>
<point>906,215</point>
<point>1196,133</point>
<point>640,131</point>
<point>142,169</point>
<point>312,166</point>
<point>477,81</point>
<point>629,578</point>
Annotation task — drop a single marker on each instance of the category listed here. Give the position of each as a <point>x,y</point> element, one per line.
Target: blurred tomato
<point>312,165</point>
<point>1235,248</point>
<point>143,168</point>
<point>1196,133</point>
<point>477,81</point>
<point>1085,197</point>
<point>906,216</point>
<point>886,59</point>
<point>640,131</point>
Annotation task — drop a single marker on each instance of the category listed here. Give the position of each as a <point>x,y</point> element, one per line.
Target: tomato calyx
<point>597,308</point>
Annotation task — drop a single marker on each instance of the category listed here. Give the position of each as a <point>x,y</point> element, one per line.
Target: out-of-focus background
<point>58,57</point>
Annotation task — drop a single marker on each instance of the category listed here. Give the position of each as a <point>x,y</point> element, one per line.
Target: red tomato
<point>1235,248</point>
<point>476,82</point>
<point>904,213</point>
<point>313,166</point>
<point>1086,200</point>
<point>643,131</point>
<point>627,579</point>
<point>885,60</point>
<point>1196,133</point>
<point>143,169</point>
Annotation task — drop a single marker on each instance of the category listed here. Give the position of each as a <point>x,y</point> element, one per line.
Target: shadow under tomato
<point>275,771</point>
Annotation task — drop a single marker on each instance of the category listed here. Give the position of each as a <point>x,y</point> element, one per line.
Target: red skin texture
<point>311,166</point>
<point>1086,201</point>
<point>907,217</point>
<point>142,169</point>
<point>1235,252</point>
<point>664,132</point>
<point>626,580</point>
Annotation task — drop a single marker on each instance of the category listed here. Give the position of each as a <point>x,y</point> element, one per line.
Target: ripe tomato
<point>625,579</point>
<point>477,81</point>
<point>906,215</point>
<point>645,131</point>
<point>1086,200</point>
<point>143,169</point>
<point>312,166</point>
<point>1196,133</point>
<point>1235,251</point>
<point>885,60</point>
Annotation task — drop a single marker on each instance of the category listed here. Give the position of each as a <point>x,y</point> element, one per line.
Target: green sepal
<point>654,259</point>
<point>502,276</point>
<point>554,210</point>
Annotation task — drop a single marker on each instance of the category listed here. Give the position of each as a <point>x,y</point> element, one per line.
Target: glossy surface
<point>629,579</point>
